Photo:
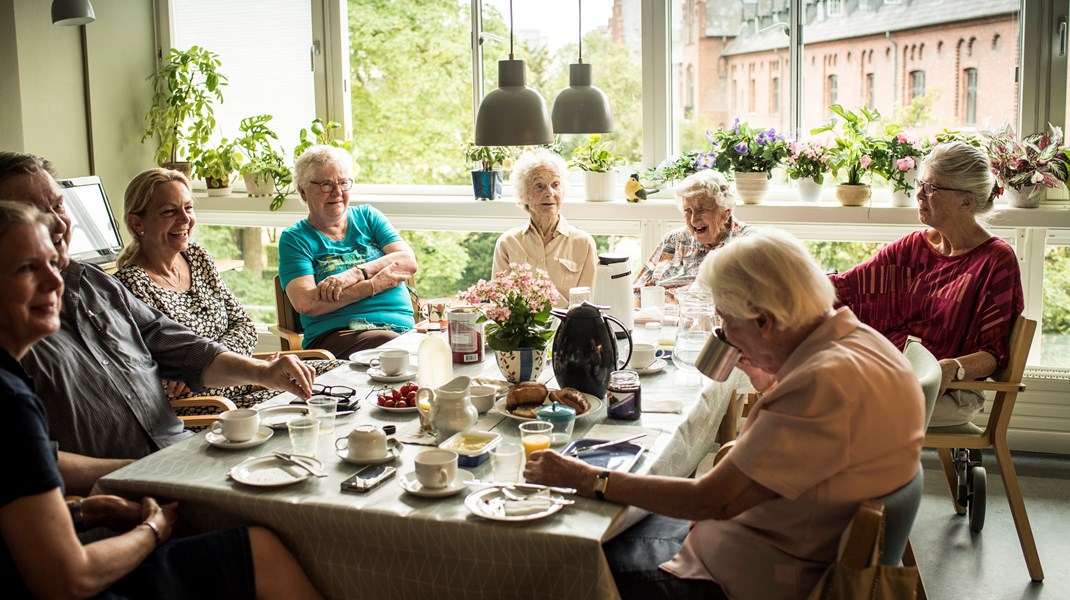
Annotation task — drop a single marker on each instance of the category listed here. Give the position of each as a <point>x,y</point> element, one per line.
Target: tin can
<point>466,335</point>
<point>624,395</point>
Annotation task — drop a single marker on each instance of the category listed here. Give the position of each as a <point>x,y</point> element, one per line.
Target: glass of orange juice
<point>535,435</point>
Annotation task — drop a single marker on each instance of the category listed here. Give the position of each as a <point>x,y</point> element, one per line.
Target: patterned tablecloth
<point>390,544</point>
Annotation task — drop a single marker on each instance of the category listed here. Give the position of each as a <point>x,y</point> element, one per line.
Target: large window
<point>917,84</point>
<point>970,114</point>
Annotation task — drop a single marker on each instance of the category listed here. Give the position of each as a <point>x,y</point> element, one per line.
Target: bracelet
<point>76,515</point>
<point>154,528</point>
<point>363,272</point>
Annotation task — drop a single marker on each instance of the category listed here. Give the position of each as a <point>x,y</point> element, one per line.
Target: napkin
<point>411,433</point>
<point>662,406</point>
<point>534,503</point>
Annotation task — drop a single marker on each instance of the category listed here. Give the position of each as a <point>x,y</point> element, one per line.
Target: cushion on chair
<point>965,428</point>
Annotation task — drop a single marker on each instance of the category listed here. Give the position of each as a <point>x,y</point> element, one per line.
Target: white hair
<point>709,185</point>
<point>316,157</point>
<point>526,165</point>
<point>767,271</point>
<point>964,167</point>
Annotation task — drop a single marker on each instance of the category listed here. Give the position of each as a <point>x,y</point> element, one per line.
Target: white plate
<point>595,403</point>
<point>269,471</point>
<point>654,367</point>
<point>364,357</point>
<point>216,439</point>
<point>411,485</point>
<point>377,374</point>
<point>393,450</point>
<point>487,504</point>
<point>373,402</point>
<point>276,417</point>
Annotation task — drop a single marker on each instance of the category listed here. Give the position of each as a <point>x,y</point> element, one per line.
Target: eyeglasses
<point>327,187</point>
<point>927,189</point>
<point>334,391</point>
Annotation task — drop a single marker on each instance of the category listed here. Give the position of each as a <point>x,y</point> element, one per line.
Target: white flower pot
<point>1025,197</point>
<point>599,187</point>
<point>906,199</point>
<point>751,187</point>
<point>810,190</point>
<point>259,184</point>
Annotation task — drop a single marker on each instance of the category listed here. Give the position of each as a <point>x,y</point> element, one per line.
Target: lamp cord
<point>579,31</point>
<point>510,29</point>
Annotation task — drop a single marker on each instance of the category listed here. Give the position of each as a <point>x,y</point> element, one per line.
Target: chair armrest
<point>859,548</point>
<point>723,451</point>
<point>288,338</point>
<point>991,386</point>
<point>313,354</point>
<point>215,401</point>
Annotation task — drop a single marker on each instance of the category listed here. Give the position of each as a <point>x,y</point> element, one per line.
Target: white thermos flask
<point>613,287</point>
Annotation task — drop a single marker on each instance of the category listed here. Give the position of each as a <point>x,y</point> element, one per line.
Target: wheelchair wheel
<point>978,488</point>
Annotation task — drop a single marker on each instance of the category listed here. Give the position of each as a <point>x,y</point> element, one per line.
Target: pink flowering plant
<point>1039,159</point>
<point>896,154</point>
<point>807,158</point>
<point>851,151</point>
<point>517,303</point>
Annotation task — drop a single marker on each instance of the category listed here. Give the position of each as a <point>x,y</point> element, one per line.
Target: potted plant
<point>599,167</point>
<point>751,154</point>
<point>320,132</point>
<point>806,163</point>
<point>486,164</point>
<point>266,171</point>
<point>851,152</point>
<point>516,309</point>
<point>678,167</point>
<point>1024,168</point>
<point>896,157</point>
<point>181,117</point>
<point>217,165</point>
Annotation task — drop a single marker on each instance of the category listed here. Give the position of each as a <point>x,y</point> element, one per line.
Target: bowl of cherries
<point>402,399</point>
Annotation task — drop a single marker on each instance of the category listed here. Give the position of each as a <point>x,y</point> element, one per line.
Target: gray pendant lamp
<point>72,12</point>
<point>581,107</point>
<point>513,114</point>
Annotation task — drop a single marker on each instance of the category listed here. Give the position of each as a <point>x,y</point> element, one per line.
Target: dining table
<point>388,543</point>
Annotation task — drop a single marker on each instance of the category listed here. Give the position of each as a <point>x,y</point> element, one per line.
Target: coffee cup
<point>718,357</point>
<point>436,469</point>
<point>392,362</point>
<point>482,397</point>
<point>651,296</point>
<point>644,355</point>
<point>238,425</point>
<point>365,442</point>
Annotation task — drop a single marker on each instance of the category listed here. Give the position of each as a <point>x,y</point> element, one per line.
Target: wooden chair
<point>1006,385</point>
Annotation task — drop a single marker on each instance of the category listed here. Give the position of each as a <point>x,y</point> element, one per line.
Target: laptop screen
<point>95,234</point>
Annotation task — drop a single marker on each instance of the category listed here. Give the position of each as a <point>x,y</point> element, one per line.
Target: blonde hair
<point>525,166</point>
<point>767,271</point>
<point>136,200</point>
<point>17,214</point>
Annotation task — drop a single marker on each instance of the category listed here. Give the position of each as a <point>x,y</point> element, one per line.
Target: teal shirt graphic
<point>303,250</point>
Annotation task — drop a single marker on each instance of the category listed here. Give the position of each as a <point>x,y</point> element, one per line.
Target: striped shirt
<point>99,375</point>
<point>674,263</point>
<point>957,305</point>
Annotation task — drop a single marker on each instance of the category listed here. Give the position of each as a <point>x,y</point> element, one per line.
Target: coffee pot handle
<point>629,336</point>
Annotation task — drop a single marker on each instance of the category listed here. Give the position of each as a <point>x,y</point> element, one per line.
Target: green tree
<point>442,257</point>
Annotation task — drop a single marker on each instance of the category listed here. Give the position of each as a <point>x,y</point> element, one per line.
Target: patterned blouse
<point>674,263</point>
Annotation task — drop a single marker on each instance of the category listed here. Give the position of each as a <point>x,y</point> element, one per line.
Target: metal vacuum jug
<point>585,351</point>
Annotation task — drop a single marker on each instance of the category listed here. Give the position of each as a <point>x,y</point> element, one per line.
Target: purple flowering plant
<point>745,149</point>
<point>517,303</point>
<point>807,158</point>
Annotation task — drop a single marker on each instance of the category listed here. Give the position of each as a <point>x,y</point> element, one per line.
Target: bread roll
<point>525,393</point>
<point>571,397</point>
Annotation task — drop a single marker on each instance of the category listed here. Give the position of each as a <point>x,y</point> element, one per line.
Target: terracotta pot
<point>810,190</point>
<point>185,167</point>
<point>853,194</point>
<point>1025,197</point>
<point>599,187</point>
<point>751,187</point>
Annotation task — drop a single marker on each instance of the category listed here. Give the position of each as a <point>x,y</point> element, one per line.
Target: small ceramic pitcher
<point>449,408</point>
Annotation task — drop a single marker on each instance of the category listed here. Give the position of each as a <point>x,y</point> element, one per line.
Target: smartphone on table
<point>368,478</point>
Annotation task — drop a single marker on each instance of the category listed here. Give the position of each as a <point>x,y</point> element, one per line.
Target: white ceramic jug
<point>450,407</point>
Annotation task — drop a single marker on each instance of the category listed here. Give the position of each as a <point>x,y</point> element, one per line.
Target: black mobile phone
<point>368,478</point>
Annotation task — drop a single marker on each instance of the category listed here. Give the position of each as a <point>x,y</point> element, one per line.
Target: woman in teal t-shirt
<point>343,267</point>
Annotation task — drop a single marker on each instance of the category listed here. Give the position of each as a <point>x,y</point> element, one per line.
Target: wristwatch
<point>601,484</point>
<point>960,373</point>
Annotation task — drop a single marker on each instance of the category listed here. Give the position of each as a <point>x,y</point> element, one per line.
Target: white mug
<point>238,425</point>
<point>482,397</point>
<point>365,442</point>
<point>644,355</point>
<point>651,296</point>
<point>392,362</point>
<point>436,469</point>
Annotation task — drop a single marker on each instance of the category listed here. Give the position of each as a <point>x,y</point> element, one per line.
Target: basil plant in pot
<point>266,172</point>
<point>186,87</point>
<point>486,172</point>
<point>851,152</point>
<point>599,167</point>
<point>218,165</point>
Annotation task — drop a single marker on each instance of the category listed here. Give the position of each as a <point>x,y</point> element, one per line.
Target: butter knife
<point>579,451</point>
<point>295,460</point>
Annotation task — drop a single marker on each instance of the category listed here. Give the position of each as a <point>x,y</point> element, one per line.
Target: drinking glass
<point>536,435</point>
<point>694,327</point>
<point>324,409</point>
<point>304,435</point>
<point>505,460</point>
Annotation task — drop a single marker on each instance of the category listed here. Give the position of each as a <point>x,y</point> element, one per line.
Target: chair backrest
<point>900,508</point>
<point>927,370</point>
<point>1017,354</point>
<point>287,315</point>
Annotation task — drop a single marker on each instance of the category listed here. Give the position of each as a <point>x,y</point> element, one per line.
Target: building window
<point>832,91</point>
<point>689,98</point>
<point>774,95</point>
<point>971,98</point>
<point>917,84</point>
<point>834,8</point>
<point>753,92</point>
<point>870,80</point>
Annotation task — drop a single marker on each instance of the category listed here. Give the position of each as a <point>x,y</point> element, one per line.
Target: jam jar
<point>624,396</point>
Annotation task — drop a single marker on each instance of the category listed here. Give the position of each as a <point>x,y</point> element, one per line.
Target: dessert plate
<point>595,403</point>
<point>365,357</point>
<point>276,417</point>
<point>269,471</point>
<point>376,374</point>
<point>371,401</point>
<point>216,439</point>
<point>492,504</point>
<point>410,484</point>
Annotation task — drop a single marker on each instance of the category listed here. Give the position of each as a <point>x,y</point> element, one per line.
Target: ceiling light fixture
<point>513,114</point>
<point>581,107</point>
<point>72,12</point>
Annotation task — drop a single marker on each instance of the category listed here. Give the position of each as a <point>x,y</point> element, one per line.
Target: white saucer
<point>276,417</point>
<point>377,374</point>
<point>393,450</point>
<point>411,485</point>
<point>654,367</point>
<point>216,439</point>
<point>270,471</point>
<point>365,357</point>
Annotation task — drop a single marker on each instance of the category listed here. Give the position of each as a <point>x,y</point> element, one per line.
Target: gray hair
<point>19,163</point>
<point>17,214</point>
<point>967,168</point>
<point>709,185</point>
<point>526,165</point>
<point>319,156</point>
<point>767,271</point>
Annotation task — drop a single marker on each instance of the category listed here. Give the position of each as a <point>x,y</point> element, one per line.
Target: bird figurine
<point>634,190</point>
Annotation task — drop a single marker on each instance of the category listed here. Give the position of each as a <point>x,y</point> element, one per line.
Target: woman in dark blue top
<point>40,553</point>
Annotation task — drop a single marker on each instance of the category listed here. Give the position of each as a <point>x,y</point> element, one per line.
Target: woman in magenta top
<point>955,285</point>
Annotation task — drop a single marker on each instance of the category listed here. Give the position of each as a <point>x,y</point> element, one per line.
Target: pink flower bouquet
<point>517,303</point>
<point>896,154</point>
<point>807,158</point>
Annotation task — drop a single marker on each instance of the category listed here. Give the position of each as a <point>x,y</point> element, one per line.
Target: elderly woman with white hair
<point>844,423</point>
<point>343,267</point>
<point>706,199</point>
<point>547,242</point>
